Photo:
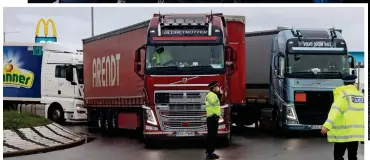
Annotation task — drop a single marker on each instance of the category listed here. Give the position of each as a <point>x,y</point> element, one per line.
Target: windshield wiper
<point>303,74</point>
<point>331,74</point>
<point>208,66</point>
<point>168,67</point>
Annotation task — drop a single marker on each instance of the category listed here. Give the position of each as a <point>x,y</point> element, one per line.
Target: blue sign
<point>45,39</point>
<point>21,72</point>
<point>358,55</point>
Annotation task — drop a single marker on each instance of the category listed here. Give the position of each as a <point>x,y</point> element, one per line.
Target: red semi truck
<point>125,88</point>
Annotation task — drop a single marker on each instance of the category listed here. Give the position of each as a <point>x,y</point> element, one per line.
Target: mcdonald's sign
<point>46,31</point>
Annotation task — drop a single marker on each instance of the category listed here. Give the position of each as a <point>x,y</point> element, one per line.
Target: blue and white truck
<point>44,73</point>
<point>291,74</point>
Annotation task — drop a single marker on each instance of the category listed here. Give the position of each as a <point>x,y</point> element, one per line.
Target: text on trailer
<point>106,71</point>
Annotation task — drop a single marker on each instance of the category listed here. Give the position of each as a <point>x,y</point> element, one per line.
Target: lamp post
<point>4,34</point>
<point>92,21</point>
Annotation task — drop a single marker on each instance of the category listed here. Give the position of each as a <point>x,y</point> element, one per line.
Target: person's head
<point>213,86</point>
<point>349,79</point>
<point>159,49</point>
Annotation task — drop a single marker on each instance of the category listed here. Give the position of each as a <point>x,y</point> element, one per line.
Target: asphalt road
<point>247,145</point>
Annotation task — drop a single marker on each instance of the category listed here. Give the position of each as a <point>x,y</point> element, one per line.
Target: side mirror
<point>352,61</point>
<point>137,64</point>
<point>230,58</point>
<point>230,54</point>
<point>69,73</point>
<point>354,72</point>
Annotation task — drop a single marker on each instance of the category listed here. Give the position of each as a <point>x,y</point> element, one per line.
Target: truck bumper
<point>172,135</point>
<point>301,127</point>
<point>78,115</point>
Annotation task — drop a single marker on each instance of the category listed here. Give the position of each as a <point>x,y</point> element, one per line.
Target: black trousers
<point>212,128</point>
<point>340,149</point>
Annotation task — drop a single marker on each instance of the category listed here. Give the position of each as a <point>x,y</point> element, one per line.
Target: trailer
<point>49,74</point>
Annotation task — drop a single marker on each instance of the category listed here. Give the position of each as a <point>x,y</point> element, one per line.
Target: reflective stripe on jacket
<point>346,117</point>
<point>162,58</point>
<point>212,104</point>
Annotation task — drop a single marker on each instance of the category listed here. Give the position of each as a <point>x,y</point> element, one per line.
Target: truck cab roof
<point>55,46</point>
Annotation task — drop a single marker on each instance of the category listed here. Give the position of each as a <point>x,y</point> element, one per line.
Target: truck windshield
<point>317,65</point>
<point>80,73</point>
<point>185,59</point>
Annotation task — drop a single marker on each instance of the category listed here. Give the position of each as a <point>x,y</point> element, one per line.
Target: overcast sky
<point>74,24</point>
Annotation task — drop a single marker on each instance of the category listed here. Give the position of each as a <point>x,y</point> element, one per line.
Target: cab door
<point>66,83</point>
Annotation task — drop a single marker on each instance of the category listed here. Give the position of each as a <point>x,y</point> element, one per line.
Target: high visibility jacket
<point>162,58</point>
<point>346,117</point>
<point>212,104</point>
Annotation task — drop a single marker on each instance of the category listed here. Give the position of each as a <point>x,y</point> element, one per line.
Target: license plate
<point>316,126</point>
<point>184,134</point>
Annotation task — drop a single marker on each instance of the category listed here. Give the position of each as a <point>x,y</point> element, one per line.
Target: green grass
<point>14,120</point>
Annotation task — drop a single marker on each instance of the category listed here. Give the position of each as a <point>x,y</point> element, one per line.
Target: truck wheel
<point>109,122</point>
<point>240,125</point>
<point>92,121</point>
<point>279,131</point>
<point>149,143</point>
<point>56,114</point>
<point>257,124</point>
<point>101,122</point>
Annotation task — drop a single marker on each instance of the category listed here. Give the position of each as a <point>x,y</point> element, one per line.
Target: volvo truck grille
<point>180,98</point>
<point>180,117</point>
<point>316,108</point>
<point>181,110</point>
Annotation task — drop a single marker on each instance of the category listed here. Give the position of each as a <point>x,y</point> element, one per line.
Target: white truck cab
<point>61,82</point>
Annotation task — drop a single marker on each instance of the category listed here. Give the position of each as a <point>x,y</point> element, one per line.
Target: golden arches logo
<point>46,27</point>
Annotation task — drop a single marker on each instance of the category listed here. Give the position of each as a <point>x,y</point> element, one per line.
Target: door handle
<point>59,92</point>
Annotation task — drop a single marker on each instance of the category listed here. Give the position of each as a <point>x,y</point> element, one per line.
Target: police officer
<point>345,123</point>
<point>213,109</point>
<point>161,56</point>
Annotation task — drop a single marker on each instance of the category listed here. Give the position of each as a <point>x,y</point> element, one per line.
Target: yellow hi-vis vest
<point>346,117</point>
<point>162,58</point>
<point>212,104</point>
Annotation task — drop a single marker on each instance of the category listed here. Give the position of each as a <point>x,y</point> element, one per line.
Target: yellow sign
<point>46,27</point>
<point>17,77</point>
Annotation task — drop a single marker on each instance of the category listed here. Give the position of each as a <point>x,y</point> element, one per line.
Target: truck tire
<point>150,143</point>
<point>108,122</point>
<point>56,113</point>
<point>92,120</point>
<point>101,122</point>
<point>257,124</point>
<point>279,131</point>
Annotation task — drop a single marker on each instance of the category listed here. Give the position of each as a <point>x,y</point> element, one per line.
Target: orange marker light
<point>300,97</point>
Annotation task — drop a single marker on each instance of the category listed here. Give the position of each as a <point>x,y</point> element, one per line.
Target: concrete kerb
<point>46,149</point>
<point>84,139</point>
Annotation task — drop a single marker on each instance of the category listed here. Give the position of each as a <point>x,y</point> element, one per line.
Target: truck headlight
<point>290,114</point>
<point>222,116</point>
<point>79,106</point>
<point>150,117</point>
<point>221,120</point>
